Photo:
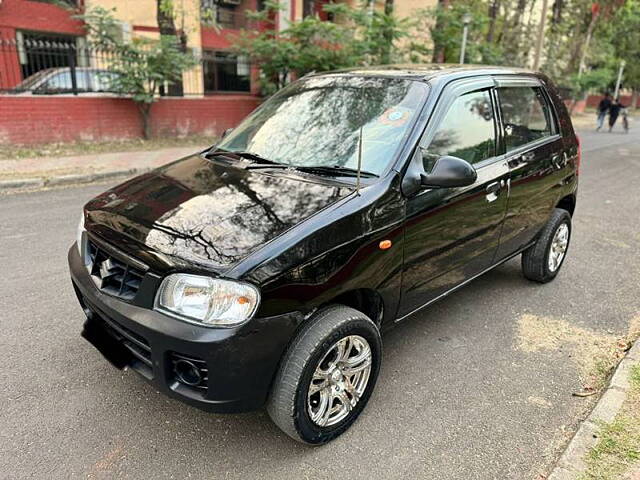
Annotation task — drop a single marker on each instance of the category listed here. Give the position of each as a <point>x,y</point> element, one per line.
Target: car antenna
<point>359,162</point>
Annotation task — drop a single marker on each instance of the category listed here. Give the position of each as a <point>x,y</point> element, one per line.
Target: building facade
<point>42,41</point>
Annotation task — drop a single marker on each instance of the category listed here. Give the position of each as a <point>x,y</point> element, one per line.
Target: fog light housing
<point>187,372</point>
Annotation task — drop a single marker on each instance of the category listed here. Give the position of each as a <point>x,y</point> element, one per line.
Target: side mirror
<point>449,172</point>
<point>226,132</point>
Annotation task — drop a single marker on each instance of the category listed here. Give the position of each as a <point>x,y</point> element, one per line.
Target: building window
<point>38,51</point>
<point>223,14</point>
<point>308,8</point>
<point>312,8</point>
<point>225,72</point>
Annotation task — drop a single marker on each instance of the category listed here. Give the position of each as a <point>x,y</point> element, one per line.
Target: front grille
<point>112,275</point>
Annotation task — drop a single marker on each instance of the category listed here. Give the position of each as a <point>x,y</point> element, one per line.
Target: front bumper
<point>238,364</point>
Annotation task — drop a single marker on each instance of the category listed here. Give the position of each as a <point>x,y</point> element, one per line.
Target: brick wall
<point>39,16</point>
<point>36,120</point>
<point>594,100</point>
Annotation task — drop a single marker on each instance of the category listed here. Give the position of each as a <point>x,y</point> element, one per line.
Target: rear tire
<point>542,261</point>
<point>333,362</point>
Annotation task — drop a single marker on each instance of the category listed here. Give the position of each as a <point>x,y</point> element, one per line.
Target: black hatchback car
<point>262,270</point>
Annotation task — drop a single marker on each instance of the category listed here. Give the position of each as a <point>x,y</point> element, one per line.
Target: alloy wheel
<point>558,247</point>
<point>339,381</point>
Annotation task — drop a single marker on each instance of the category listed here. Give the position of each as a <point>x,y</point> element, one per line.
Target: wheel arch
<point>365,300</point>
<point>568,203</point>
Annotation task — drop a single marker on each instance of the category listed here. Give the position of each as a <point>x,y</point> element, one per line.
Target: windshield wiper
<point>264,162</point>
<point>335,170</point>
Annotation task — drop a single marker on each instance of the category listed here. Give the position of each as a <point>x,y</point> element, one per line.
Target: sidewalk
<point>607,444</point>
<point>33,173</point>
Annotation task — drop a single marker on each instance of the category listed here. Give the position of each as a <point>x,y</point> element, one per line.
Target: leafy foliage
<point>445,26</point>
<point>623,33</point>
<point>597,79</point>
<point>140,66</point>
<point>356,37</point>
<point>583,41</point>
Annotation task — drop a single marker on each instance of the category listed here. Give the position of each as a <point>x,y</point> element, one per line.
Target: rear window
<point>526,115</point>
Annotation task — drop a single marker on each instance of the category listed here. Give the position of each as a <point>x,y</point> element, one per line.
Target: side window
<point>62,83</point>
<point>467,131</point>
<point>525,114</point>
<point>58,83</point>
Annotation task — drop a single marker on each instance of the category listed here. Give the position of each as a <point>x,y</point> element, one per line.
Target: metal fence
<point>69,66</point>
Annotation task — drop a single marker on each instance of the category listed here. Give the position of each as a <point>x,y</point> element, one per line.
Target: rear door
<point>452,234</point>
<point>533,149</point>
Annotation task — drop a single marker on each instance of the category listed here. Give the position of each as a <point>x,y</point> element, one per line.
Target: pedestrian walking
<point>614,111</point>
<point>603,108</point>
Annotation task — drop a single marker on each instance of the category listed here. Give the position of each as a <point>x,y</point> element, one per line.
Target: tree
<point>440,24</point>
<point>444,24</point>
<point>624,32</point>
<point>140,66</point>
<point>165,13</point>
<point>357,37</point>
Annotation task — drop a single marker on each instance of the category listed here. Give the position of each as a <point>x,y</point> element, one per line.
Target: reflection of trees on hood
<point>237,217</point>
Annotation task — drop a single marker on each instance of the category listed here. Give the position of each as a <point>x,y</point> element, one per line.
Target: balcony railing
<point>225,16</point>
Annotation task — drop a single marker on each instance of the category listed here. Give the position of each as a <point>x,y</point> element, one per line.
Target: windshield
<point>316,122</point>
<point>30,82</point>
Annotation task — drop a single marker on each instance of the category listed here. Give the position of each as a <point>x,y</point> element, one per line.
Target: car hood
<point>205,212</point>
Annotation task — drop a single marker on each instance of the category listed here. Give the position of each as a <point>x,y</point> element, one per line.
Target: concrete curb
<point>26,184</point>
<point>571,463</point>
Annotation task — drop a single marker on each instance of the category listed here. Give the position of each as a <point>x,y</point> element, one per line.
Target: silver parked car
<point>59,81</point>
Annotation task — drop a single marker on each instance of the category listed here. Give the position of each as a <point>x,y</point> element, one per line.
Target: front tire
<point>326,376</point>
<point>542,261</point>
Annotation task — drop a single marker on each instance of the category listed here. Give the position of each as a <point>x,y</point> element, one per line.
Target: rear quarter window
<point>526,116</point>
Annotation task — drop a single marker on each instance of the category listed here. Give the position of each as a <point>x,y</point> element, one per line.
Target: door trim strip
<point>460,285</point>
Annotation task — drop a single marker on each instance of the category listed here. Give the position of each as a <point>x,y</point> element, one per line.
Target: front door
<point>452,234</point>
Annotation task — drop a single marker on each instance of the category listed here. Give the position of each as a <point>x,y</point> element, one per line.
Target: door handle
<point>559,160</point>
<point>527,157</point>
<point>494,187</point>
<point>522,159</point>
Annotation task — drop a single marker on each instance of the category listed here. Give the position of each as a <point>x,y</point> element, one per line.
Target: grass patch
<point>618,447</point>
<point>86,148</point>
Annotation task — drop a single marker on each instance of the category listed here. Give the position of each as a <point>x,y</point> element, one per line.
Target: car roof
<point>430,71</point>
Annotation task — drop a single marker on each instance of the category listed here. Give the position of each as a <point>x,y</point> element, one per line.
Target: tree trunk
<point>578,48</point>
<point>556,10</point>
<point>512,35</point>
<point>494,8</point>
<point>634,98</point>
<point>165,20</point>
<point>438,48</point>
<point>587,41</point>
<point>388,34</point>
<point>167,26</point>
<point>145,116</point>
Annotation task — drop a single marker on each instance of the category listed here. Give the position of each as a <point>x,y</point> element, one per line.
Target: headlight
<point>207,301</point>
<point>80,235</point>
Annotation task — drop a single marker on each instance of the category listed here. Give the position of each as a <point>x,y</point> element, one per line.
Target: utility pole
<point>620,70</point>
<point>540,42</point>
<point>466,20</point>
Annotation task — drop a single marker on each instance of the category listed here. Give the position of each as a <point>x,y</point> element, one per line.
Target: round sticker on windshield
<point>396,116</point>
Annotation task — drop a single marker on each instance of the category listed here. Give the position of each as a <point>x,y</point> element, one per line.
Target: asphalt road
<point>476,387</point>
